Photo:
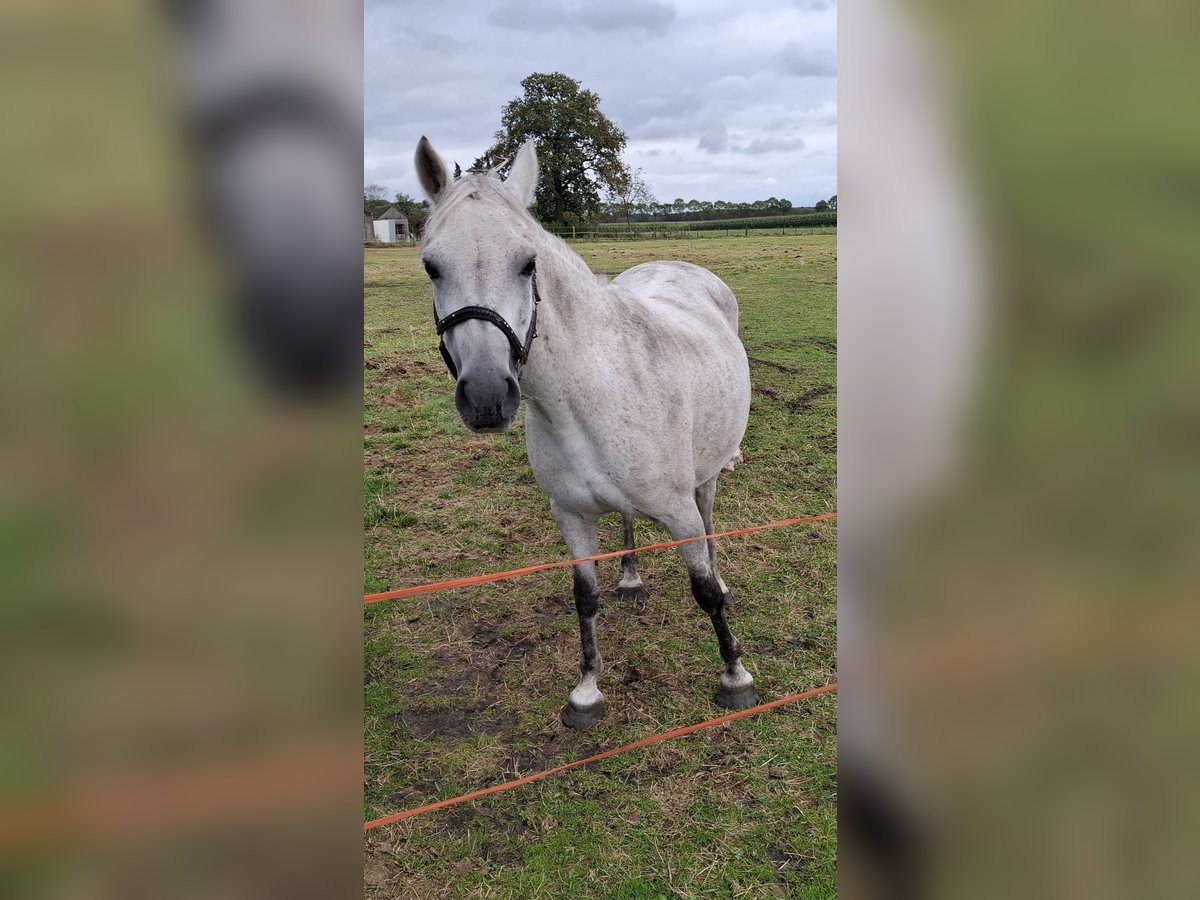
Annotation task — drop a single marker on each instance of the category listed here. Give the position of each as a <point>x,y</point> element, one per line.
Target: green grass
<point>463,687</point>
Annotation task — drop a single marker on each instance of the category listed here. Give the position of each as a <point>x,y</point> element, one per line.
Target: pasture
<point>463,688</point>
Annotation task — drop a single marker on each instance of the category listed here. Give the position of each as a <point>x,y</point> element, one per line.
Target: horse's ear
<point>431,171</point>
<point>523,176</point>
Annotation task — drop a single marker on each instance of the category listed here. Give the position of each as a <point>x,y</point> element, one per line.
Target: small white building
<point>385,230</point>
<point>392,227</point>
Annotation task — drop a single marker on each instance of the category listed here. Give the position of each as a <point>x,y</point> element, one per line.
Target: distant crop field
<point>463,688</point>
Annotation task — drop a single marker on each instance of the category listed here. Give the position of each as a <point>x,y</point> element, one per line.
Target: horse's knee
<point>707,591</point>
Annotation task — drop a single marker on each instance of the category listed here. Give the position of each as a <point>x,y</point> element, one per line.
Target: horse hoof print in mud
<point>637,390</point>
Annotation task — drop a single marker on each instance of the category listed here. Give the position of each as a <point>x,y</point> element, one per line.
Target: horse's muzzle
<point>488,403</point>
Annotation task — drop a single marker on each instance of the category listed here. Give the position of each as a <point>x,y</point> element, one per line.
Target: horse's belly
<point>628,462</point>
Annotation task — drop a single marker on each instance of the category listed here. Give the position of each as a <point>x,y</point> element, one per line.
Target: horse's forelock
<point>472,185</point>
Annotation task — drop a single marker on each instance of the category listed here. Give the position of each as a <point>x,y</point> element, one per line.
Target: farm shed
<point>392,226</point>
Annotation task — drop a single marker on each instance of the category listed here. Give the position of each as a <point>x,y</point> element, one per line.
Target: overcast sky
<point>721,99</point>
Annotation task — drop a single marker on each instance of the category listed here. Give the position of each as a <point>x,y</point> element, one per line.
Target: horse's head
<point>478,249</point>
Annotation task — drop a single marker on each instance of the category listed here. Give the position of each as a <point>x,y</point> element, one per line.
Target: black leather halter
<point>520,351</point>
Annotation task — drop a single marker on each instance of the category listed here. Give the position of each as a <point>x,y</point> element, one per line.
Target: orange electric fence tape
<point>646,742</point>
<point>513,573</point>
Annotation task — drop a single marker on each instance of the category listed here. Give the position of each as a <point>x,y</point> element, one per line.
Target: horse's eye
<point>432,271</point>
<point>529,268</point>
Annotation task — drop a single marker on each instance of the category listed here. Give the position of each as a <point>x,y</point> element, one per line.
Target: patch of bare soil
<point>786,860</point>
<point>778,367</point>
<point>454,679</point>
<point>413,793</point>
<point>411,369</point>
<point>787,647</point>
<point>509,653</point>
<point>392,400</point>
<point>764,391</point>
<point>506,834</point>
<point>550,609</point>
<point>425,473</point>
<point>444,724</point>
<point>804,401</point>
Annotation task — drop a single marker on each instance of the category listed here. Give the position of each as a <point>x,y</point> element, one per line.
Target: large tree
<point>579,148</point>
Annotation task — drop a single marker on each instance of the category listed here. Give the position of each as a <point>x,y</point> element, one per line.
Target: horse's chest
<point>579,470</point>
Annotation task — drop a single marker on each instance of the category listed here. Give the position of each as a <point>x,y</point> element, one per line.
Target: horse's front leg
<point>586,704</point>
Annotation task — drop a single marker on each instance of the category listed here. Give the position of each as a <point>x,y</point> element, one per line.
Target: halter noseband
<point>520,351</point>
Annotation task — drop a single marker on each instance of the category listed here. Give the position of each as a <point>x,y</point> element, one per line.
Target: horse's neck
<point>574,292</point>
<point>572,311</point>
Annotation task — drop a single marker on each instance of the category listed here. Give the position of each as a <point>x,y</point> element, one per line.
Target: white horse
<point>637,390</point>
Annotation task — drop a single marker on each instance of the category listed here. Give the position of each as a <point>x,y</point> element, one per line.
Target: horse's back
<point>685,363</point>
<point>690,288</point>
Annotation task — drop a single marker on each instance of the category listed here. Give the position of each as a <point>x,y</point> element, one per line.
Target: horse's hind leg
<point>631,587</point>
<point>735,689</point>
<point>586,704</point>
<point>705,495</point>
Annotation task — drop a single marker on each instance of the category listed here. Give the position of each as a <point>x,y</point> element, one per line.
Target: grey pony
<point>637,390</point>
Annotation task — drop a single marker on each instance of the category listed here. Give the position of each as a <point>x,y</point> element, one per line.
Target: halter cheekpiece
<point>520,350</point>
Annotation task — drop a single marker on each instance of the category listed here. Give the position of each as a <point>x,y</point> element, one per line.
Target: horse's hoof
<point>581,717</point>
<point>736,698</point>
<point>636,595</point>
<point>728,600</point>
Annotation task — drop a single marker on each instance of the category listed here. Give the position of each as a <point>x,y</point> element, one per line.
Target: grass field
<point>463,688</point>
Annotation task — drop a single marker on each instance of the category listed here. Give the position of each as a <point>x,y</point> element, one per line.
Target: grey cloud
<point>528,16</point>
<point>654,113</point>
<point>806,62</point>
<point>714,140</point>
<point>769,145</point>
<point>649,16</point>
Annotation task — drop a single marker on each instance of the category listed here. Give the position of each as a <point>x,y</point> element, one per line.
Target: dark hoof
<point>736,699</point>
<point>580,718</point>
<point>637,596</point>
<point>728,600</point>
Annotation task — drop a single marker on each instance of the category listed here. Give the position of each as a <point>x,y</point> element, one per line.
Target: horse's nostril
<point>488,403</point>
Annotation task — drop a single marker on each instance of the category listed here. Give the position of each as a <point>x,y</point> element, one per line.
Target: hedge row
<point>797,220</point>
